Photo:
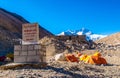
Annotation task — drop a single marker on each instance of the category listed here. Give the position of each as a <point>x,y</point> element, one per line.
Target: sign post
<point>30,33</point>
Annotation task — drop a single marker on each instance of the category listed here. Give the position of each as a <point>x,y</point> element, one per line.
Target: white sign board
<point>30,33</point>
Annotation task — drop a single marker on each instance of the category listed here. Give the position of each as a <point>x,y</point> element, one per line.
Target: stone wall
<point>29,53</point>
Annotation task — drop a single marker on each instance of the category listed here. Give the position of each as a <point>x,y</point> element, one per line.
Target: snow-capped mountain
<point>83,31</point>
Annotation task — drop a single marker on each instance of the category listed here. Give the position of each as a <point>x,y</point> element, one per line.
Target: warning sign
<point>30,33</point>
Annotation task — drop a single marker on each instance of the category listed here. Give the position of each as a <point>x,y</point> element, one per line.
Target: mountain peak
<point>84,31</point>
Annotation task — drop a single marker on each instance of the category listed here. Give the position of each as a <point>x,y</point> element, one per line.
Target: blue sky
<point>100,16</point>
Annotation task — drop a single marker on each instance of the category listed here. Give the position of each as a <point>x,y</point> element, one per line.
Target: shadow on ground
<point>61,70</point>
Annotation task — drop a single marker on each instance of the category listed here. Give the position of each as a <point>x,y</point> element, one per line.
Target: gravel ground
<point>64,70</point>
<point>67,70</point>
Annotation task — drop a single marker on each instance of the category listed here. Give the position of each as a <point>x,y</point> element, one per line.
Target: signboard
<point>30,33</point>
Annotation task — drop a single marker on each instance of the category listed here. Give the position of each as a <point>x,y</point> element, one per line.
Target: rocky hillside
<point>60,44</point>
<point>13,23</point>
<point>11,30</point>
<point>113,39</point>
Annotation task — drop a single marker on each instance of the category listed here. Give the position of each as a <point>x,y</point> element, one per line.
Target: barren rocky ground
<point>63,69</point>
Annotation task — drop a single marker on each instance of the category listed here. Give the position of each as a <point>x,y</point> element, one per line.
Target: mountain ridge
<point>113,39</point>
<point>13,22</point>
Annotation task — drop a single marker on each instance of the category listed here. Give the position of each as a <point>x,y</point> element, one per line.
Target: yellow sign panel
<point>30,33</point>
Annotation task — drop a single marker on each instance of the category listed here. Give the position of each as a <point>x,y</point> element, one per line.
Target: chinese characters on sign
<point>30,33</point>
